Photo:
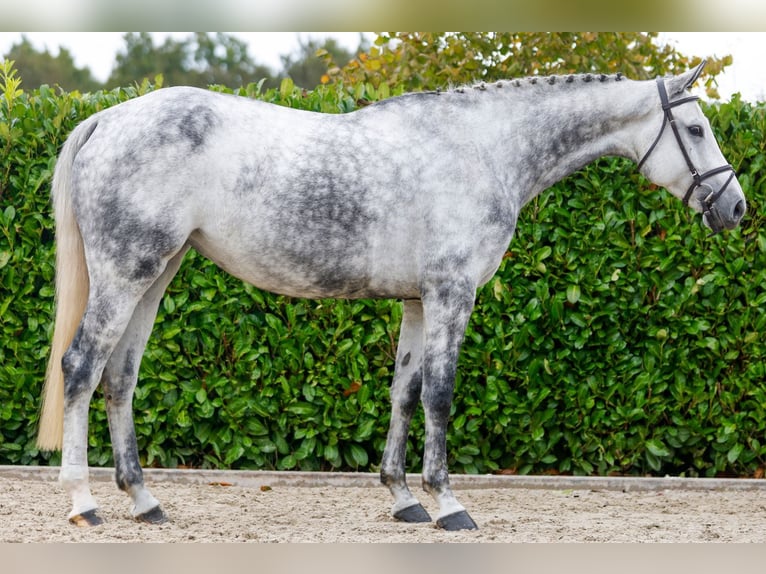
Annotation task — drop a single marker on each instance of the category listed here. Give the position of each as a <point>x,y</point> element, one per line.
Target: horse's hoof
<point>457,521</point>
<point>154,516</point>
<point>414,513</point>
<point>88,518</point>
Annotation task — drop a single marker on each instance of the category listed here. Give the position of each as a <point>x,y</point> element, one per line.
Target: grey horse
<point>415,198</point>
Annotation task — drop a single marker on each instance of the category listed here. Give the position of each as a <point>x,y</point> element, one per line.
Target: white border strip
<point>259,478</point>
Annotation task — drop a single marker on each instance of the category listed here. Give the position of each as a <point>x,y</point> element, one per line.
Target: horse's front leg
<point>405,395</point>
<point>448,306</point>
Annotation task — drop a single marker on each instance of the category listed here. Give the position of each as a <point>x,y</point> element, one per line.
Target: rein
<point>709,200</point>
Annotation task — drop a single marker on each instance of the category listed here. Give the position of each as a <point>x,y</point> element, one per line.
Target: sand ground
<point>34,510</point>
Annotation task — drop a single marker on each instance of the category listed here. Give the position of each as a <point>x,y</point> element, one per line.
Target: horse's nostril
<point>739,210</point>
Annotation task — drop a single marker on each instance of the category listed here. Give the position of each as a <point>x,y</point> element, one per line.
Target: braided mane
<point>533,80</point>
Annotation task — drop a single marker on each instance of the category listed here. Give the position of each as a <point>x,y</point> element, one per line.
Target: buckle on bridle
<point>698,179</point>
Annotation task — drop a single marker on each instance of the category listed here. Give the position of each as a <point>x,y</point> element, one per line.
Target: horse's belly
<point>328,271</point>
<point>318,283</point>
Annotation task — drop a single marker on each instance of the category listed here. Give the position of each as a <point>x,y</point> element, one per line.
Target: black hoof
<point>89,518</point>
<point>457,521</point>
<point>414,513</point>
<point>153,516</point>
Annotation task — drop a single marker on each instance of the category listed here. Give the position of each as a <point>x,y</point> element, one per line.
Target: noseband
<point>713,218</point>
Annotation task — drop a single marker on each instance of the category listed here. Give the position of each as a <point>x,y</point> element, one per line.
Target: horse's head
<point>684,157</point>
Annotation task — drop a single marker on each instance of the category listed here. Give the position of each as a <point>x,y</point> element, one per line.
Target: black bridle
<point>708,202</point>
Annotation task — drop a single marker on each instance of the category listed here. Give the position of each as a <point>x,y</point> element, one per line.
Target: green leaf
<point>168,304</point>
<point>233,453</point>
<point>358,455</point>
<point>656,447</point>
<point>573,293</point>
<point>734,453</point>
<point>286,87</point>
<point>301,409</point>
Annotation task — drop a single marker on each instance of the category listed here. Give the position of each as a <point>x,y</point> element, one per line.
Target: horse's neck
<point>560,129</point>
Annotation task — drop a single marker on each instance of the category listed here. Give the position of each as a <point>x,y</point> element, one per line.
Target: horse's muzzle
<point>718,217</point>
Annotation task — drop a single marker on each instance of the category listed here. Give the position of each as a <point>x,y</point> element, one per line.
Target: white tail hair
<point>72,287</point>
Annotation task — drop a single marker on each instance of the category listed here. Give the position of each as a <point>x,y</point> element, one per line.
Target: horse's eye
<point>696,131</point>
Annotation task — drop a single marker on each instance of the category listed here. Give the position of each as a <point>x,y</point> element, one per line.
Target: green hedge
<point>615,338</point>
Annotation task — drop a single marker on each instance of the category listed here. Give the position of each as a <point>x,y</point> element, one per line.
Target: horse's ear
<point>685,81</point>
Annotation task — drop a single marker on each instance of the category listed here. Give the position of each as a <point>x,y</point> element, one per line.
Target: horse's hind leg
<point>118,383</point>
<point>405,395</point>
<point>447,305</point>
<point>107,314</point>
<point>112,300</point>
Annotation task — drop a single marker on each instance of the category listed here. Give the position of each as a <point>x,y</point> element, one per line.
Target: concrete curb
<point>258,478</point>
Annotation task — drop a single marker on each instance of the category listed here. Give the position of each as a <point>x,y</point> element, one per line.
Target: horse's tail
<point>72,286</point>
